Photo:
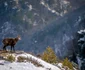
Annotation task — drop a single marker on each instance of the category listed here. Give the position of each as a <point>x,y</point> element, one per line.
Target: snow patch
<point>65,38</point>
<point>15,7</point>
<point>47,6</point>
<point>66,2</point>
<point>30,7</point>
<point>5,3</point>
<point>60,65</point>
<point>79,62</point>
<point>81,31</point>
<point>43,63</point>
<point>78,21</point>
<point>20,66</point>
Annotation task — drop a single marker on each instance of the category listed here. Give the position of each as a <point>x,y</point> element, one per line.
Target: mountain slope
<point>59,34</point>
<point>27,65</point>
<point>42,23</point>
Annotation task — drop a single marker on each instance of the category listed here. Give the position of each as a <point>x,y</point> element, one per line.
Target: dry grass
<point>36,63</point>
<point>7,55</point>
<point>23,59</point>
<point>10,58</point>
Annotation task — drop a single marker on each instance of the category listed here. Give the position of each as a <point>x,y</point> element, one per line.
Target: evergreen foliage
<point>67,63</point>
<point>49,55</point>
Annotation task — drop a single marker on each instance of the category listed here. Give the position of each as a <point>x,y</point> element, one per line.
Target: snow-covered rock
<point>5,65</point>
<point>60,65</point>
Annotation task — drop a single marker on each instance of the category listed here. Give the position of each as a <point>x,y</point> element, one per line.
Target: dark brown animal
<point>10,42</point>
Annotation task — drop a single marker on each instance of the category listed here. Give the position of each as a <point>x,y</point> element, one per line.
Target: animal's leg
<point>13,49</point>
<point>4,48</point>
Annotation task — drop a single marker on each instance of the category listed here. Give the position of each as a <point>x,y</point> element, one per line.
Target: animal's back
<point>8,41</point>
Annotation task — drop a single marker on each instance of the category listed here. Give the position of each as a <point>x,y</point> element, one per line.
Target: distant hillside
<point>42,23</point>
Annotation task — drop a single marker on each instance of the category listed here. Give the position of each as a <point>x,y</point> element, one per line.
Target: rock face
<point>42,23</point>
<point>61,33</point>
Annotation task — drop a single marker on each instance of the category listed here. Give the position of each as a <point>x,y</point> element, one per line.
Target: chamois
<point>10,42</point>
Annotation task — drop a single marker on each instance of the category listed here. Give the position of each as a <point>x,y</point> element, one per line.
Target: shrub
<point>49,55</point>
<point>39,55</point>
<point>35,62</point>
<point>10,58</point>
<point>67,63</point>
<point>21,59</point>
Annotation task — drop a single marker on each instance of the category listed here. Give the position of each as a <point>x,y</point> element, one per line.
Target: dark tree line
<point>81,49</point>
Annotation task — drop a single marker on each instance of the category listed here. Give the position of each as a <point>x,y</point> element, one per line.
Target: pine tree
<point>49,55</point>
<point>67,63</point>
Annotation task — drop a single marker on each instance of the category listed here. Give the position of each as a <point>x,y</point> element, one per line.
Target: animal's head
<point>19,38</point>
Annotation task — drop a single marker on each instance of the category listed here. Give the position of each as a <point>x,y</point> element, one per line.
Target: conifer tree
<point>49,55</point>
<point>67,63</point>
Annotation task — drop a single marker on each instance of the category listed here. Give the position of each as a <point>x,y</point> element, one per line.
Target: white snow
<point>81,39</point>
<point>42,3</point>
<point>5,65</point>
<point>47,6</point>
<point>66,38</point>
<point>15,7</point>
<point>5,3</point>
<point>30,7</point>
<point>81,31</point>
<point>19,66</point>
<point>35,24</point>
<point>66,2</point>
<point>35,41</point>
<point>79,61</point>
<point>60,65</point>
<point>43,63</point>
<point>78,21</point>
